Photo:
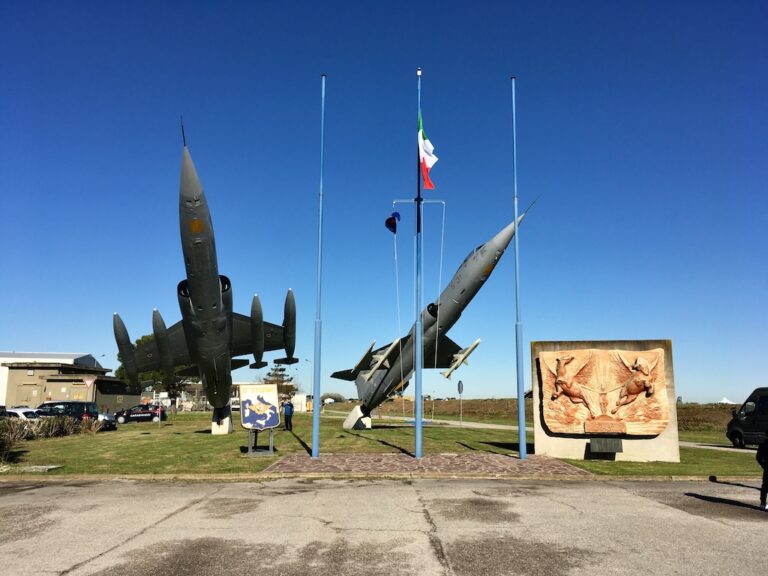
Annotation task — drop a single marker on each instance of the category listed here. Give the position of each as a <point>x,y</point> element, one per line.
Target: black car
<point>71,408</point>
<point>750,422</point>
<point>141,412</point>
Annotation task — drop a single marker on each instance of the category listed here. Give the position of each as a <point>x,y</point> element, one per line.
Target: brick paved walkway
<point>459,465</point>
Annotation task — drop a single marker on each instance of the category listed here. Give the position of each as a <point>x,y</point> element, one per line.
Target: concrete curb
<point>266,477</point>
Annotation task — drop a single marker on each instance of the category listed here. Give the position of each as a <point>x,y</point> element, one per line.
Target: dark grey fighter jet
<point>381,373</point>
<point>209,334</point>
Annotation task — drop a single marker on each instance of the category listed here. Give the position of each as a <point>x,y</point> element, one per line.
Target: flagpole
<point>518,323</point>
<point>318,318</point>
<point>418,327</point>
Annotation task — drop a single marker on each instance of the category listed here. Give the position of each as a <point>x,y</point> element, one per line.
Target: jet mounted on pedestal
<point>382,372</point>
<point>209,334</point>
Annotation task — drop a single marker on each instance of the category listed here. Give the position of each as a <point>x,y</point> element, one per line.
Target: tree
<point>335,396</point>
<point>176,387</point>
<point>277,375</point>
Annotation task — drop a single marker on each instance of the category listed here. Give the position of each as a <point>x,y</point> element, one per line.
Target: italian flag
<point>427,157</point>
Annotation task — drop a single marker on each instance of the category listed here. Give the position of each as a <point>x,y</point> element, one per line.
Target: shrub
<point>55,427</point>
<point>11,433</point>
<point>6,445</point>
<point>89,426</point>
<point>18,430</point>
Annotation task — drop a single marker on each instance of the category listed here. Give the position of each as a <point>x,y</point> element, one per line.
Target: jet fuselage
<point>205,298</point>
<point>439,317</point>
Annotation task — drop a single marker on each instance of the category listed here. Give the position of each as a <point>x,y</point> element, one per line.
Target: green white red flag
<point>427,156</point>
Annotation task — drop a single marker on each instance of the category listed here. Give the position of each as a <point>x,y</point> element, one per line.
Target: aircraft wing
<point>446,350</point>
<point>241,335</point>
<point>362,364</point>
<point>373,360</point>
<point>147,358</point>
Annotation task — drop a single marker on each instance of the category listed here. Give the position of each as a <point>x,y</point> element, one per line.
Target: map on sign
<point>259,406</point>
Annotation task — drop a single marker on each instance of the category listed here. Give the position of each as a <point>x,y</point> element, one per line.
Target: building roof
<point>60,355</point>
<point>81,358</point>
<point>72,368</point>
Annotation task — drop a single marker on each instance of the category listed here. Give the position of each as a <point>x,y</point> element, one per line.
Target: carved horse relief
<point>639,379</point>
<point>566,383</point>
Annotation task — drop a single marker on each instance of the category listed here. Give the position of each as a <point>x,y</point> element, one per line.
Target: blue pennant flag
<point>391,222</point>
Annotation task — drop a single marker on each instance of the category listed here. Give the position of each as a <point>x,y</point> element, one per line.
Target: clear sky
<point>643,127</point>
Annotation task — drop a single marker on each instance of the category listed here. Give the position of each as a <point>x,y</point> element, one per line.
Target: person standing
<point>762,459</point>
<point>288,414</point>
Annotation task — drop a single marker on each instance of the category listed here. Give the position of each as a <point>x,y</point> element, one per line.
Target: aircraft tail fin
<point>362,364</point>
<point>348,375</point>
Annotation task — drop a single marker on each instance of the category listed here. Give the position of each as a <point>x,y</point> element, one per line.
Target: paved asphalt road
<point>295,527</point>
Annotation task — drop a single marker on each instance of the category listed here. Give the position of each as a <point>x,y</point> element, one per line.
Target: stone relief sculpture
<point>639,381</point>
<point>565,382</point>
<point>626,386</point>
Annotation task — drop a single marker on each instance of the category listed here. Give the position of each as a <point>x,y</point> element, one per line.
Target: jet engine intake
<point>289,330</point>
<point>226,293</point>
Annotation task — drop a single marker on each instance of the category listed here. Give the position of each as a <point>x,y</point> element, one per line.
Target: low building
<point>80,358</point>
<point>29,379</point>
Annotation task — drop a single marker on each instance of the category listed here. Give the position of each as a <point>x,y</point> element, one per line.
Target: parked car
<point>141,412</point>
<point>3,413</point>
<point>72,408</point>
<point>750,422</point>
<point>23,413</point>
<point>108,421</point>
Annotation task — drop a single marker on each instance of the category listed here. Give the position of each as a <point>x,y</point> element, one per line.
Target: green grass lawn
<point>693,462</point>
<point>184,445</point>
<point>716,437</point>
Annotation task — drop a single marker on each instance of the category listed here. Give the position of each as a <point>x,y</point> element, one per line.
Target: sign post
<point>88,381</point>
<point>461,408</point>
<point>259,410</point>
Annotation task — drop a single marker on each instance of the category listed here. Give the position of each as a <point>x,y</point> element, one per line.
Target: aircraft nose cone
<point>190,184</point>
<point>503,238</point>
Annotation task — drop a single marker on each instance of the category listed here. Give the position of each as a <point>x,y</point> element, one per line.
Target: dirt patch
<point>517,491</point>
<point>220,508</point>
<point>497,555</point>
<point>484,510</point>
<point>23,522</point>
<point>8,489</point>
<point>218,556</point>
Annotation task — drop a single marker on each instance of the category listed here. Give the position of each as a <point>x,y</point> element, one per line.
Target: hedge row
<point>13,430</point>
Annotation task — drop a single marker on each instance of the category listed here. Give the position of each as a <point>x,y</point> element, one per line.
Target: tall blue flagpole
<point>318,319</point>
<point>418,327</point>
<point>518,323</point>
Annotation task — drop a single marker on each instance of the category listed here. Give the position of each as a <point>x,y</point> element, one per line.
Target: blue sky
<point>641,125</point>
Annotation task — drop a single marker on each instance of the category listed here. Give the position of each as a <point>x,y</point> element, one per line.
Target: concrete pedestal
<point>224,427</point>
